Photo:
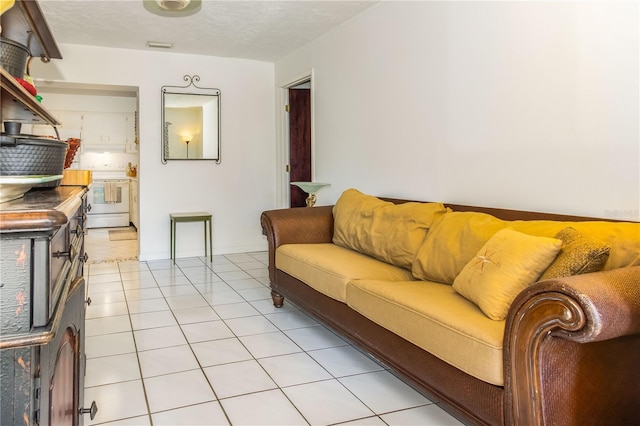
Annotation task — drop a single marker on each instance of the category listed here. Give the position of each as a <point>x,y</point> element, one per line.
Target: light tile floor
<point>200,343</point>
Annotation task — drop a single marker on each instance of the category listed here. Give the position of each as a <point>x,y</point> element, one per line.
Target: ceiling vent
<point>160,44</point>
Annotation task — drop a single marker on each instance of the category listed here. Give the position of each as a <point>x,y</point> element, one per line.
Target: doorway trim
<point>282,134</point>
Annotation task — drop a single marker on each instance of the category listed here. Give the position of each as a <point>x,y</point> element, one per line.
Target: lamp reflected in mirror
<point>310,188</point>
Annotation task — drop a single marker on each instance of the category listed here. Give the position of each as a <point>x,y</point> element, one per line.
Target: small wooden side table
<point>192,217</point>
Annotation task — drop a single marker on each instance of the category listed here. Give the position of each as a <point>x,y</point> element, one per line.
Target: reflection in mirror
<point>190,122</point>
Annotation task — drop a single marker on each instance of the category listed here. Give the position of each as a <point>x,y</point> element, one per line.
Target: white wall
<point>237,190</point>
<point>525,105</point>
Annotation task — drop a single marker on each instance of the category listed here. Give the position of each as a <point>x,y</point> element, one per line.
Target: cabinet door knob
<point>92,411</point>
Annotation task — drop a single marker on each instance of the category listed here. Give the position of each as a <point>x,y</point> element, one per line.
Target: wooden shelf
<point>20,105</point>
<point>25,23</point>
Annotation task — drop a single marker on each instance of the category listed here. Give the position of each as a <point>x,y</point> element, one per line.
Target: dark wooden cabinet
<point>42,289</point>
<point>42,307</point>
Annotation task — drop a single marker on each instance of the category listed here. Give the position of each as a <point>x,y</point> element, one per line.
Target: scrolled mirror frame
<point>190,89</point>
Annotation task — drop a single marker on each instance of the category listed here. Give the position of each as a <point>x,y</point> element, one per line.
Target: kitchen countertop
<point>40,209</point>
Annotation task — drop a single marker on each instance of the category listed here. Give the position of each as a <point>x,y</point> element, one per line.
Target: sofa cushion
<point>437,319</point>
<point>387,231</point>
<point>508,263</point>
<point>580,254</point>
<point>622,237</point>
<point>453,240</point>
<point>328,268</point>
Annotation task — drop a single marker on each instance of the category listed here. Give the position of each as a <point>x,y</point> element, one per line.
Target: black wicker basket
<point>32,156</point>
<point>13,57</point>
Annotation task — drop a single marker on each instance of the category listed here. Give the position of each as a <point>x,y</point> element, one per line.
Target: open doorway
<point>295,138</point>
<point>104,118</point>
<point>299,109</point>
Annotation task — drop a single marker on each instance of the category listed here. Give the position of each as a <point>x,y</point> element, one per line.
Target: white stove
<point>108,197</point>
<point>102,175</point>
<point>108,171</point>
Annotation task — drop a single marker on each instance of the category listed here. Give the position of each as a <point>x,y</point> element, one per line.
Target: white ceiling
<point>261,29</point>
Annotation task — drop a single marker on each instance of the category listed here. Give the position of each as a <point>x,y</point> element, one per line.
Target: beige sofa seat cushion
<point>437,319</point>
<point>328,268</point>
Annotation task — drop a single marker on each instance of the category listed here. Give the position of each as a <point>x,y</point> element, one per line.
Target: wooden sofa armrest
<point>587,324</point>
<point>302,225</point>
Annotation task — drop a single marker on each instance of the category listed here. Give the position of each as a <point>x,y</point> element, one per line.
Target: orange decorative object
<point>74,144</point>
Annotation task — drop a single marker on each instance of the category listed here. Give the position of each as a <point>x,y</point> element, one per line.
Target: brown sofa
<point>570,351</point>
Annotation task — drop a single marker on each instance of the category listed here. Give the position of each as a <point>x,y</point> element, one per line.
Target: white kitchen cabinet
<point>104,130</point>
<point>71,120</point>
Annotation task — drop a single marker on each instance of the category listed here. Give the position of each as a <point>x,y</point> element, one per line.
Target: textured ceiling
<point>262,30</point>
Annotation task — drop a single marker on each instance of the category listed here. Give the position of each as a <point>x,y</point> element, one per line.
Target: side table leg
<point>204,222</point>
<point>173,241</point>
<point>210,241</point>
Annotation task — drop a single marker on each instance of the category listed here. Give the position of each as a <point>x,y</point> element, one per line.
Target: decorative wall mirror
<point>190,122</point>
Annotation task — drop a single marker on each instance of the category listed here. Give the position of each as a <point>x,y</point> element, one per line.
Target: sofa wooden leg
<point>278,299</point>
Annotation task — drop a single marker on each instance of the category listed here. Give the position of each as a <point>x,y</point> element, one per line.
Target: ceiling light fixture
<point>172,8</point>
<point>160,44</point>
<point>173,5</point>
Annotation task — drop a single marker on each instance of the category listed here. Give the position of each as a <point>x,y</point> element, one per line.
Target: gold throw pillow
<point>508,263</point>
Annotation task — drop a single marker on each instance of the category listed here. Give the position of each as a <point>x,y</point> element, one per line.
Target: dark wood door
<point>299,143</point>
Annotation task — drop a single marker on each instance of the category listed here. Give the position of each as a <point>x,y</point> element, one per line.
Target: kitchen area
<point>105,121</point>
